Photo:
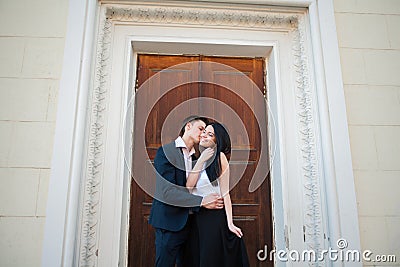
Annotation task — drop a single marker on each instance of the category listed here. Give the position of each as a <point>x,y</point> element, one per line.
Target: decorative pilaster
<point>95,154</point>
<point>313,223</point>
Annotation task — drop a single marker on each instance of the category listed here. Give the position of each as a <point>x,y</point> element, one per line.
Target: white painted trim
<point>283,3</point>
<point>340,187</point>
<point>277,164</point>
<point>66,168</point>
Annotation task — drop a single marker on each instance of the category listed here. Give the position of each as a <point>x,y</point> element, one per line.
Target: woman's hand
<point>206,154</point>
<point>236,230</point>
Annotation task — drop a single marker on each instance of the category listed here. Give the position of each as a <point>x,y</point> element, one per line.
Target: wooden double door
<point>252,211</point>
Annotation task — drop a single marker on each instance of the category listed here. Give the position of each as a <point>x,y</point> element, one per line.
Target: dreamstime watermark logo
<point>340,254</point>
<point>159,85</point>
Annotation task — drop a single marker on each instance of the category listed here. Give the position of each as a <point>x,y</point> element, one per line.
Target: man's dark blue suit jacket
<point>172,201</point>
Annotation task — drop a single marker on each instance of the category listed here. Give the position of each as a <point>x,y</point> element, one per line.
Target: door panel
<point>252,211</point>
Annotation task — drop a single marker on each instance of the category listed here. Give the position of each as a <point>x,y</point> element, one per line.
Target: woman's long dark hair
<point>223,142</point>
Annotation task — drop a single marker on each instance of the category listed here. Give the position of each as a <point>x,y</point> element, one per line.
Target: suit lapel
<point>181,179</point>
<point>175,156</point>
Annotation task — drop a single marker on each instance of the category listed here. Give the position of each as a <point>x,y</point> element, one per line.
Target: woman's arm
<point>167,191</point>
<point>198,167</point>
<point>224,183</point>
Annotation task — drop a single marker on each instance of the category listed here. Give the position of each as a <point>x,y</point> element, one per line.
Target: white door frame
<point>87,214</point>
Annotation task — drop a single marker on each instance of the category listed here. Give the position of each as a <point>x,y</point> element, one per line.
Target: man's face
<point>195,130</point>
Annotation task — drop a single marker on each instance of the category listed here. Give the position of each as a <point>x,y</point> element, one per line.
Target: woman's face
<point>207,138</point>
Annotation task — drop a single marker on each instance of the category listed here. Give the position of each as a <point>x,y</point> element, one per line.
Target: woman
<point>220,242</point>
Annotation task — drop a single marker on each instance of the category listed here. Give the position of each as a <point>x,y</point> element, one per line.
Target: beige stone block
<point>391,200</point>
<point>7,131</point>
<point>374,234</point>
<point>392,224</point>
<point>11,56</point>
<point>344,5</point>
<point>43,58</point>
<point>368,188</point>
<point>43,18</point>
<point>21,241</point>
<point>362,31</point>
<point>363,148</point>
<point>24,99</point>
<point>32,145</point>
<point>353,66</point>
<point>382,67</point>
<point>377,193</point>
<point>372,105</point>
<point>53,101</point>
<point>393,24</point>
<point>18,191</point>
<point>43,192</point>
<point>388,147</point>
<point>367,6</point>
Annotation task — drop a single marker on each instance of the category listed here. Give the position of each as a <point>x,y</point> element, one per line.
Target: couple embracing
<point>192,209</point>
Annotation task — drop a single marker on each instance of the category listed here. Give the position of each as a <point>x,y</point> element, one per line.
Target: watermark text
<point>341,253</point>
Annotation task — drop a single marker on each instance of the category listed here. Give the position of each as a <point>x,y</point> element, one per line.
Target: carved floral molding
<point>313,221</point>
<point>196,16</point>
<point>262,20</point>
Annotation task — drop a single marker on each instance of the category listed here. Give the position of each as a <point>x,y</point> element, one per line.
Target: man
<point>173,204</point>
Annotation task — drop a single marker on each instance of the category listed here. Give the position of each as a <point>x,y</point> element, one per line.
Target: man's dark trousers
<point>170,210</point>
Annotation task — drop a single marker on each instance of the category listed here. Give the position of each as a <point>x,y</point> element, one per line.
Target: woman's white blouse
<point>204,186</point>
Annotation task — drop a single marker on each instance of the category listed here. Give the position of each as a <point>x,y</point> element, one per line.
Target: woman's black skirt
<point>212,244</point>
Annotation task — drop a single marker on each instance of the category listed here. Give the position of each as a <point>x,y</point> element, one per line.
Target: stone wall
<point>369,41</point>
<point>31,53</point>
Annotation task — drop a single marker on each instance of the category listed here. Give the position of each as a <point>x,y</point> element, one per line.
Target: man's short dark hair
<point>191,119</point>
